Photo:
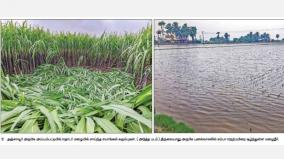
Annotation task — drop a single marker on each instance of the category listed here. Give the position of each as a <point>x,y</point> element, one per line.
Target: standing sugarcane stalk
<point>25,48</point>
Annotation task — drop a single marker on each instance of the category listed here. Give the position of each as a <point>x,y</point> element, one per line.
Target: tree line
<point>173,32</point>
<point>248,38</point>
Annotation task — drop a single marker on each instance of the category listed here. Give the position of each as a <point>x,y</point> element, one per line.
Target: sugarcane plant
<point>74,83</point>
<point>25,47</point>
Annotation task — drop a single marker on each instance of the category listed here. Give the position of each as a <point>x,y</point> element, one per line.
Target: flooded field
<point>225,88</point>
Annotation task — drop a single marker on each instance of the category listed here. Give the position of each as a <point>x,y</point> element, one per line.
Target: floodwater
<point>222,88</point>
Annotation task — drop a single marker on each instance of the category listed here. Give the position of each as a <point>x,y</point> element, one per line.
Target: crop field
<point>75,83</point>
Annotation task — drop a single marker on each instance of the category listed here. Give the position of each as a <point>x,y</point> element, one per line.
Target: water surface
<point>222,88</point>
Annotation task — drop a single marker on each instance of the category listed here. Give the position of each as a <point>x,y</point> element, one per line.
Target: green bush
<point>166,124</point>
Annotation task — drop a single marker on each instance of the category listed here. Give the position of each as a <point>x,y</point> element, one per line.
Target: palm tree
<point>193,31</point>
<point>265,37</point>
<point>169,29</point>
<point>185,32</point>
<point>176,29</point>
<point>218,35</point>
<point>159,32</point>
<point>226,35</point>
<point>256,36</point>
<point>277,36</point>
<point>250,37</point>
<point>175,24</point>
<point>162,24</point>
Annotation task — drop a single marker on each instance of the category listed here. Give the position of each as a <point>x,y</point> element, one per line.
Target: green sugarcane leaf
<point>81,127</point>
<point>90,125</point>
<point>119,120</point>
<point>49,117</point>
<point>128,112</point>
<point>14,112</point>
<point>57,120</point>
<point>106,125</point>
<point>20,118</point>
<point>30,126</point>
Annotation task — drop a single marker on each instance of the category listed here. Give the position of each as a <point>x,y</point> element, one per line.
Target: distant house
<point>170,38</point>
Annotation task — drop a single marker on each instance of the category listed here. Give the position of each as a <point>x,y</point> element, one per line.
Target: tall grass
<point>58,99</point>
<point>25,47</point>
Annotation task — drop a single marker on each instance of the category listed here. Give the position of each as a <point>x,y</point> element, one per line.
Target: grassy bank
<point>166,124</point>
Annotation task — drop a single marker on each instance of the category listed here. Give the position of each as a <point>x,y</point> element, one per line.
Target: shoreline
<point>193,46</point>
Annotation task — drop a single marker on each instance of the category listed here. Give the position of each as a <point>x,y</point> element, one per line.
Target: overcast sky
<point>235,28</point>
<point>94,27</point>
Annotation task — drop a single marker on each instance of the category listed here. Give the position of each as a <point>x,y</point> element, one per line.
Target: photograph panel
<point>219,76</point>
<point>76,76</point>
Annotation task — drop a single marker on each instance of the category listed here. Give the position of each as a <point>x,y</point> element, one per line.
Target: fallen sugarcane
<point>58,99</point>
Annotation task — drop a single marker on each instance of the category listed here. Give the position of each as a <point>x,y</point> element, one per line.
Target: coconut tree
<point>193,31</point>
<point>169,28</point>
<point>277,36</point>
<point>265,37</point>
<point>226,35</point>
<point>162,25</point>
<point>159,32</point>
<point>256,36</point>
<point>218,35</point>
<point>185,31</point>
<point>176,29</point>
<point>250,35</point>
